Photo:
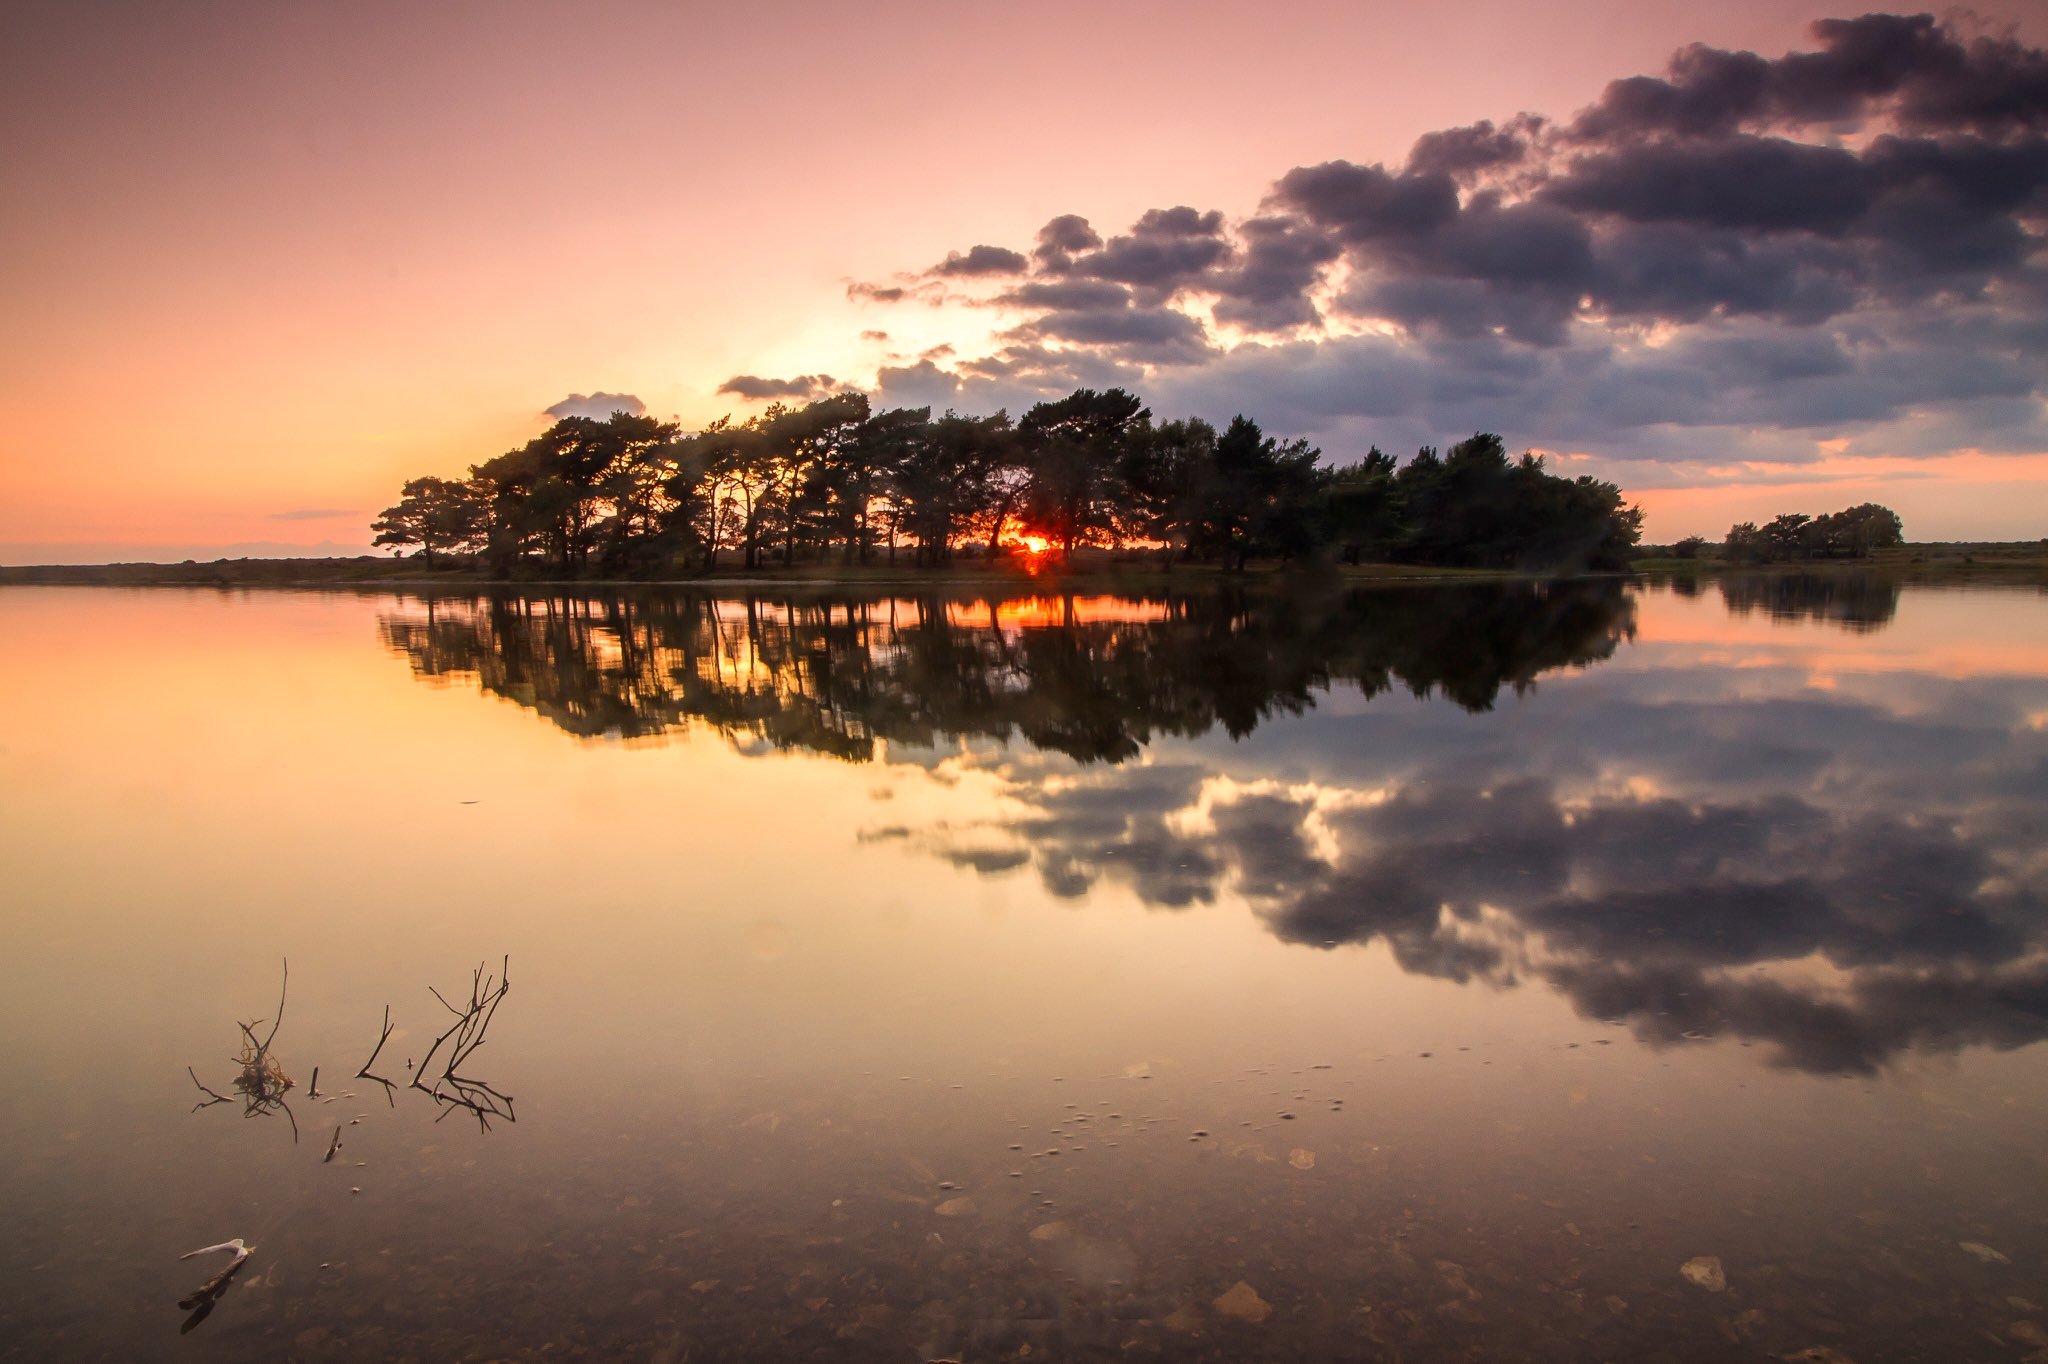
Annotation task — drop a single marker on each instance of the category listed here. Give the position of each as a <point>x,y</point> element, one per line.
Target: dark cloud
<point>597,405</point>
<point>982,260</point>
<point>877,293</point>
<point>1063,238</point>
<point>1546,278</point>
<point>1268,289</point>
<point>1921,72</point>
<point>754,387</point>
<point>874,335</point>
<point>923,384</point>
<point>1021,374</point>
<point>1476,147</point>
<point>1765,184</point>
<point>1153,335</point>
<point>1166,250</point>
<point>1065,294</point>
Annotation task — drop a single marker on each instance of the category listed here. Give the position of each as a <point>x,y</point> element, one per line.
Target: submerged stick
<point>216,1285</point>
<point>332,1146</point>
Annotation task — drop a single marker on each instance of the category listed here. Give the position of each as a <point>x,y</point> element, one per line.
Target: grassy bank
<point>2023,561</point>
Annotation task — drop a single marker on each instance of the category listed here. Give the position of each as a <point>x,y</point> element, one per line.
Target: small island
<point>834,483</point>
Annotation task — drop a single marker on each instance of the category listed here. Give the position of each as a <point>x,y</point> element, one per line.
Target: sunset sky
<point>259,263</point>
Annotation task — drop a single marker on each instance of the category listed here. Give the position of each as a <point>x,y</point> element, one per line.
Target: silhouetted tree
<point>1362,508</point>
<point>631,495</point>
<point>434,514</point>
<point>1073,449</point>
<point>1848,534</point>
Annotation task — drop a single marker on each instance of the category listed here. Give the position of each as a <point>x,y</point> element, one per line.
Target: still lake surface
<point>1418,973</point>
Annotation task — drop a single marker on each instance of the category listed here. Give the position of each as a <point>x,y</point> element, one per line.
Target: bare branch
<point>212,1099</point>
<point>364,1073</point>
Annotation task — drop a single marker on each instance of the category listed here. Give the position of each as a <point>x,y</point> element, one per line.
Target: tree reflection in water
<point>833,675</point>
<point>1838,880</point>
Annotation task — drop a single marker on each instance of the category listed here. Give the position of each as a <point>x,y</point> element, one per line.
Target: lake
<point>1506,971</point>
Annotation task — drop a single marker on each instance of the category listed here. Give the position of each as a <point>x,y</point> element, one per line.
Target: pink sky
<point>262,262</point>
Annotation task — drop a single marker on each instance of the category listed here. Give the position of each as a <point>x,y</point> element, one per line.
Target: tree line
<point>1851,533</point>
<point>833,479</point>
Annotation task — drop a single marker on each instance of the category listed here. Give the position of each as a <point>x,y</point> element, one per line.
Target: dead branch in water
<point>332,1146</point>
<point>463,1038</point>
<point>213,1097</point>
<point>364,1073</point>
<point>200,1301</point>
<point>262,1082</point>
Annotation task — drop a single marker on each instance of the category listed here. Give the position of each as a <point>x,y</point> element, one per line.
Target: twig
<point>279,1020</point>
<point>364,1073</point>
<point>211,1101</point>
<point>332,1146</point>
<point>463,1038</point>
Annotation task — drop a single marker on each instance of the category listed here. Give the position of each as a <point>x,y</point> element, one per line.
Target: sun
<point>1034,544</point>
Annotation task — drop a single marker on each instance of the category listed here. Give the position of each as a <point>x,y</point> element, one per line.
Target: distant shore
<point>2020,561</point>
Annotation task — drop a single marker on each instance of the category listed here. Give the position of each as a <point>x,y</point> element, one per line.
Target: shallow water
<point>919,978</point>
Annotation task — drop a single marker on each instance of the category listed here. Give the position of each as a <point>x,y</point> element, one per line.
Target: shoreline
<point>2013,562</point>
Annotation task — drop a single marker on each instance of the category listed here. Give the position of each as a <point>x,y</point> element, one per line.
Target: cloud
<point>873,335</point>
<point>1060,240</point>
<point>596,405</point>
<point>931,292</point>
<point>1650,279</point>
<point>1166,250</point>
<point>1155,335</point>
<point>1919,71</point>
<point>315,514</point>
<point>755,388</point>
<point>982,260</point>
<point>923,384</point>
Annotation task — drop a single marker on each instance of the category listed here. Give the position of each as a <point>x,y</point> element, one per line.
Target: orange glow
<point>1943,634</point>
<point>1027,613</point>
<point>1034,544</point>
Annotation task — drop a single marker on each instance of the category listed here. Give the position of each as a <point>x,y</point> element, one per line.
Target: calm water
<point>1418,974</point>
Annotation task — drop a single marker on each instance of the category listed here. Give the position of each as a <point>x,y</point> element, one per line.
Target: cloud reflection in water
<point>1700,850</point>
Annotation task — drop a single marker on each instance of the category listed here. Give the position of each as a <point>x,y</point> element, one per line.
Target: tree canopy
<point>836,478</point>
<point>1851,533</point>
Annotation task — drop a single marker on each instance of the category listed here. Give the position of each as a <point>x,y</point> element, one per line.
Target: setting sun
<point>1033,544</point>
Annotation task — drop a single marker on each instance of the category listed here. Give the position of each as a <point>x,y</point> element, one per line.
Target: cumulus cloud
<point>599,406</point>
<point>1653,278</point>
<point>801,386</point>
<point>982,260</point>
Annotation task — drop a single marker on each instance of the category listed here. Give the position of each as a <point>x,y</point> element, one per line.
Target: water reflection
<point>1841,936</point>
<point>1834,876</point>
<point>1860,602</point>
<point>1093,679</point>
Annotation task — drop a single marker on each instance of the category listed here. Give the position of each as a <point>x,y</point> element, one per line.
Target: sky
<point>260,263</point>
